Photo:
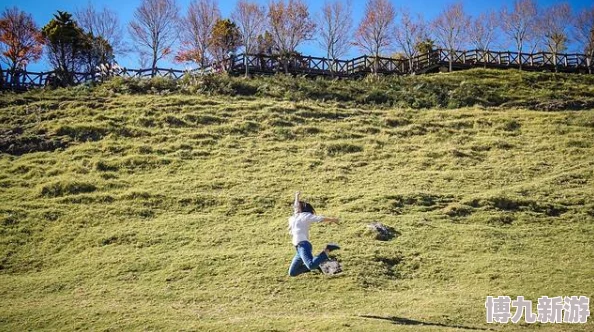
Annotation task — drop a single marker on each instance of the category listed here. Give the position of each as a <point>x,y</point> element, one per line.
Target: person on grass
<point>303,216</point>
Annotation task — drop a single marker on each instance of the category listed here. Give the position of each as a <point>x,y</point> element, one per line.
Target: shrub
<point>376,96</point>
<point>160,84</point>
<point>451,90</point>
<point>467,94</point>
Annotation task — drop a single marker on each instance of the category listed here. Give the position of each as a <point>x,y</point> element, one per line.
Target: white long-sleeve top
<point>299,226</point>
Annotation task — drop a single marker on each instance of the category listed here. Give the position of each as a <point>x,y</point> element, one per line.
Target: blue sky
<point>42,11</point>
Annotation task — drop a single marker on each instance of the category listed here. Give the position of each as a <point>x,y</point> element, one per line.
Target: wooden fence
<point>261,64</point>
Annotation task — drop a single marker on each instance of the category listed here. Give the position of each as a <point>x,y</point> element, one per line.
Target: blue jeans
<point>304,260</point>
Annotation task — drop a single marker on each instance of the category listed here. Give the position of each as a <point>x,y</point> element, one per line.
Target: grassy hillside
<point>167,210</point>
<point>488,88</point>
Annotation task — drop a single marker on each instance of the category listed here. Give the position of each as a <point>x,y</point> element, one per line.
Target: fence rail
<point>261,64</point>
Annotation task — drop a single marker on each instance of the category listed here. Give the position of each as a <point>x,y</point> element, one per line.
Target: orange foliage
<point>21,40</point>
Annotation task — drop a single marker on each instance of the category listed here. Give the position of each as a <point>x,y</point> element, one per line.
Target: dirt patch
<point>517,204</point>
<point>564,105</point>
<point>14,143</point>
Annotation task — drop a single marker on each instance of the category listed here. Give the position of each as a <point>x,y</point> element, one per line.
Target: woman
<point>303,216</point>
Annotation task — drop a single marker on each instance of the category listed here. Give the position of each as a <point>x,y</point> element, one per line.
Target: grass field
<point>168,210</point>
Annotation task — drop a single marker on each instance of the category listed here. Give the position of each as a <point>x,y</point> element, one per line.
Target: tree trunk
<point>12,72</point>
<point>451,58</point>
<point>202,60</point>
<point>485,58</point>
<point>520,57</point>
<point>331,64</point>
<point>286,64</point>
<point>154,64</point>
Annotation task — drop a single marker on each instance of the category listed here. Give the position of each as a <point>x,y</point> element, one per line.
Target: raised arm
<point>317,218</point>
<point>296,203</point>
<point>329,220</point>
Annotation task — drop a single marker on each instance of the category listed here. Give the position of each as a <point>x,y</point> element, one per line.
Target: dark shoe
<point>332,247</point>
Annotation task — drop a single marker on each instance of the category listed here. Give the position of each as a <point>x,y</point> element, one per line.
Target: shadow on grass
<point>406,321</point>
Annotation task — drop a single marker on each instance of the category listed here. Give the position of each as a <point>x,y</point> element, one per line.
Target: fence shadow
<point>412,322</point>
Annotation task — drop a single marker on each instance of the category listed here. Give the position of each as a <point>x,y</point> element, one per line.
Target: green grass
<point>168,211</point>
<point>476,87</point>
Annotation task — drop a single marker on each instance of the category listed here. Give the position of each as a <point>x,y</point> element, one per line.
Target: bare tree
<point>104,24</point>
<point>482,32</point>
<point>290,25</point>
<point>251,20</point>
<point>410,31</point>
<point>449,28</point>
<point>584,34</point>
<point>335,23</point>
<point>196,28</point>
<point>376,31</point>
<point>519,24</point>
<point>554,25</point>
<point>154,28</point>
